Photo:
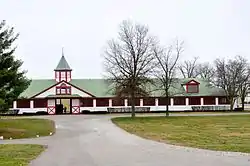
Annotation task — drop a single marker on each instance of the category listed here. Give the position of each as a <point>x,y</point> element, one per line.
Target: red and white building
<point>77,95</point>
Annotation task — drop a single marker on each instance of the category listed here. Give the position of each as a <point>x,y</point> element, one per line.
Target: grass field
<point>19,155</point>
<point>25,128</point>
<point>226,133</point>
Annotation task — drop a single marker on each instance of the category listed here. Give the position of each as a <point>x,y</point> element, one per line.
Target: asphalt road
<point>92,140</point>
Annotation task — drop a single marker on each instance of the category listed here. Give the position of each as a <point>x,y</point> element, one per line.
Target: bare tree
<point>166,68</point>
<point>206,71</point>
<point>231,75</point>
<point>244,86</point>
<point>188,68</point>
<point>243,92</point>
<point>128,61</point>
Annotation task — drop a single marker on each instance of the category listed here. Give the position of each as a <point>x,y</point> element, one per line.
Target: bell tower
<point>63,71</point>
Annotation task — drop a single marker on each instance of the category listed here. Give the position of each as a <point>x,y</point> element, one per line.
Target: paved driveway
<point>92,140</point>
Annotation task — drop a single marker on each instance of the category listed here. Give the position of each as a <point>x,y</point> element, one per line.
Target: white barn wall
<point>31,110</point>
<point>79,92</point>
<point>152,108</point>
<point>51,91</point>
<point>95,109</point>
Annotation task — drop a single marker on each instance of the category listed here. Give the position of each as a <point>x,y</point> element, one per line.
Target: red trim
<point>75,109</point>
<point>192,82</point>
<point>67,77</point>
<point>195,82</point>
<point>59,83</point>
<point>46,89</point>
<point>51,110</point>
<point>63,86</point>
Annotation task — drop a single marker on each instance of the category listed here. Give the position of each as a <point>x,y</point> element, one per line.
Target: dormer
<point>192,86</point>
<point>63,71</point>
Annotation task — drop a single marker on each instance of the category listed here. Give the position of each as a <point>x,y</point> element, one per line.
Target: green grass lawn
<point>25,128</point>
<point>226,133</point>
<point>19,155</point>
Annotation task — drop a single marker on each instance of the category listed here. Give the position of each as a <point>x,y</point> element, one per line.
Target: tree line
<point>135,57</point>
<point>131,61</point>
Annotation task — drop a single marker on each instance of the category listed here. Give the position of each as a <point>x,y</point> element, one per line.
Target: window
<point>57,74</point>
<point>68,91</point>
<point>63,89</point>
<point>192,88</point>
<point>63,76</point>
<point>58,91</point>
<point>68,75</point>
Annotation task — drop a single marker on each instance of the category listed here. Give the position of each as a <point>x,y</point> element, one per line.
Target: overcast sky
<point>210,29</point>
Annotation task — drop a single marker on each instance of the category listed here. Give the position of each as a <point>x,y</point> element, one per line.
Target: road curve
<point>93,140</point>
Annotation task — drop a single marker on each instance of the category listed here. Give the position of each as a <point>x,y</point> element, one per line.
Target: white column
<point>187,101</point>
<point>110,102</point>
<point>31,104</point>
<point>14,104</point>
<point>141,102</point>
<point>156,102</point>
<point>216,101</point>
<point>171,101</point>
<point>94,102</point>
<point>202,101</point>
<point>126,102</point>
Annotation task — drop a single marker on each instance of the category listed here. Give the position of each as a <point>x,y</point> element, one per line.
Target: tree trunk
<point>167,103</point>
<point>242,103</point>
<point>133,104</point>
<point>167,107</point>
<point>232,104</point>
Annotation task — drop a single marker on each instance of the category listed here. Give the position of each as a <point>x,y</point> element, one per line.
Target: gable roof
<point>63,64</point>
<point>101,88</point>
<point>192,81</point>
<point>36,86</point>
<point>61,82</point>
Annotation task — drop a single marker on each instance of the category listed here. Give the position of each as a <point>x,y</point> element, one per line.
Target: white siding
<point>51,102</point>
<point>79,92</point>
<point>75,102</point>
<point>51,91</point>
<point>14,104</point>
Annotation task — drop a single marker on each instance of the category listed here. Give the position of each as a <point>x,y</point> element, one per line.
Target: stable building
<point>64,94</point>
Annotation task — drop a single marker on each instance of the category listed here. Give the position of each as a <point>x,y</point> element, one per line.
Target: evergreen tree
<point>12,80</point>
